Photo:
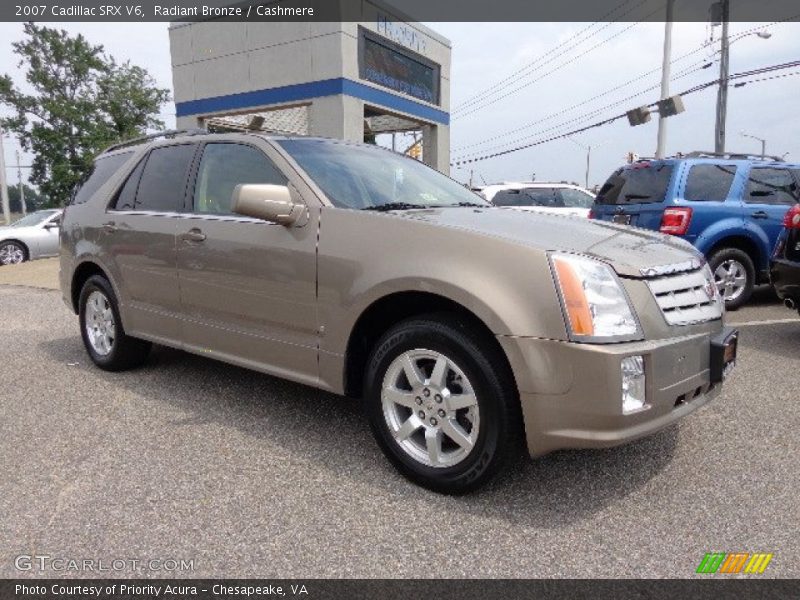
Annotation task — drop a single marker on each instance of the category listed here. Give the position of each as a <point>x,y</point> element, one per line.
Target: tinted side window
<point>771,186</point>
<point>223,167</point>
<point>709,182</point>
<point>541,197</point>
<point>163,181</point>
<point>126,198</point>
<point>509,198</point>
<point>576,198</point>
<point>103,168</point>
<point>640,184</point>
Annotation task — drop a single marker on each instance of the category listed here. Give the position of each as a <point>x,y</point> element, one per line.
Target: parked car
<point>33,236</point>
<point>535,196</point>
<point>731,208</point>
<point>785,273</point>
<point>465,329</point>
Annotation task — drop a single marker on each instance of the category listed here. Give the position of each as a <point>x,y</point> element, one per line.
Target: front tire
<point>734,275</point>
<point>109,347</point>
<point>442,404</point>
<point>12,253</point>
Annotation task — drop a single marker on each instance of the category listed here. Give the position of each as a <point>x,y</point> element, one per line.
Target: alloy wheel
<point>731,279</point>
<point>100,325</point>
<point>430,407</point>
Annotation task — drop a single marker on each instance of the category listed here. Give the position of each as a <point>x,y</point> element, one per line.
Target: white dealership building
<point>347,80</point>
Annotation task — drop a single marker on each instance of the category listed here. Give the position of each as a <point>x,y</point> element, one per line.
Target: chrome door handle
<point>110,227</point>
<point>193,235</point>
<point>760,215</point>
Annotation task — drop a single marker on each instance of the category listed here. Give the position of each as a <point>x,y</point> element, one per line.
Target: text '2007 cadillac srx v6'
<point>467,330</point>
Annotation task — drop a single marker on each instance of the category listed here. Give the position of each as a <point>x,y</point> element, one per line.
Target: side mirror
<point>273,203</point>
<point>52,225</point>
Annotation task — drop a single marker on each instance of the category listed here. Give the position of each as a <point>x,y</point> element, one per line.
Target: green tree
<point>77,100</point>
<point>33,199</point>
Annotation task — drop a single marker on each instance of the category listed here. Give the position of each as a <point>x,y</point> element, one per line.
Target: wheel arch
<point>391,309</point>
<point>24,246</point>
<point>79,277</point>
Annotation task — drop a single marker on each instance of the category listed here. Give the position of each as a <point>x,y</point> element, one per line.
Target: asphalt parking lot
<point>251,476</point>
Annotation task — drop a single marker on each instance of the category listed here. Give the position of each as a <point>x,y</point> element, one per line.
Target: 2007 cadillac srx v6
<point>467,330</point>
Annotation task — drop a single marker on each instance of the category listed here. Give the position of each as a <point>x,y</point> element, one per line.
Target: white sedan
<point>553,198</point>
<point>34,236</point>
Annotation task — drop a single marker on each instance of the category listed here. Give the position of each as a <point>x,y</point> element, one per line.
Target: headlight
<point>594,301</point>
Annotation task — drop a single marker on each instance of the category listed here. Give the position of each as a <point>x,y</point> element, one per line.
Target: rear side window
<point>709,182</point>
<point>126,199</point>
<point>642,183</point>
<point>103,168</point>
<point>163,182</point>
<point>525,197</point>
<point>771,186</point>
<point>223,167</point>
<point>575,198</point>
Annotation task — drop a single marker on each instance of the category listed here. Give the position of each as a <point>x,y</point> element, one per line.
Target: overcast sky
<point>487,53</point>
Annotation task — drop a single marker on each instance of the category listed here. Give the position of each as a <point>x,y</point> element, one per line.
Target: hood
<point>630,251</point>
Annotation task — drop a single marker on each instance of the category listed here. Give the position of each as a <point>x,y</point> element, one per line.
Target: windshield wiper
<point>470,204</point>
<point>637,196</point>
<point>394,206</point>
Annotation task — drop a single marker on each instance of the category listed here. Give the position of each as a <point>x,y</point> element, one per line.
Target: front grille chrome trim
<point>686,298</point>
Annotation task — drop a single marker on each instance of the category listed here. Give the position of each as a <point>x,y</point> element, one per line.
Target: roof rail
<point>169,133</point>
<point>731,155</point>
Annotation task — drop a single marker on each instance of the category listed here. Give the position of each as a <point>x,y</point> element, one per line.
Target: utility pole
<point>3,188</point>
<point>665,73</point>
<point>722,92</point>
<point>588,162</point>
<point>21,188</point>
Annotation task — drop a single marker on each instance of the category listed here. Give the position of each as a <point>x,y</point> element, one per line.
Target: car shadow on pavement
<point>550,492</point>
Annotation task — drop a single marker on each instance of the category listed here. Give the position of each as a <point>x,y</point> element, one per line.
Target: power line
<point>611,90</point>
<point>692,90</point>
<point>582,118</point>
<point>583,103</point>
<point>488,101</point>
<point>498,85</point>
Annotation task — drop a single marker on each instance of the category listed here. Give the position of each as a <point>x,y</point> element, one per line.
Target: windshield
<point>365,177</point>
<point>34,218</point>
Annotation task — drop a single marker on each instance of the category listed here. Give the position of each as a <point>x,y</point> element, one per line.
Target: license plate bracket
<point>622,219</point>
<point>724,347</point>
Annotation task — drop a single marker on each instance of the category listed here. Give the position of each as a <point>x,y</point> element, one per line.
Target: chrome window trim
<point>190,216</point>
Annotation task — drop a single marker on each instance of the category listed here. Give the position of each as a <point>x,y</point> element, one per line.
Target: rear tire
<point>13,253</point>
<point>109,347</point>
<point>455,422</point>
<point>734,274</point>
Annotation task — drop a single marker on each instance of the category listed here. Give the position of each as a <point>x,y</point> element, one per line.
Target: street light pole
<point>661,141</point>
<point>3,188</point>
<point>762,140</point>
<point>722,92</point>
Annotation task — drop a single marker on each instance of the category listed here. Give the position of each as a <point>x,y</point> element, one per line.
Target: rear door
<point>139,236</point>
<point>708,189</point>
<point>635,195</point>
<point>769,193</point>
<point>247,287</point>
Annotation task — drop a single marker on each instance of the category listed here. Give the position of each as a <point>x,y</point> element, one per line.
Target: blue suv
<point>731,207</point>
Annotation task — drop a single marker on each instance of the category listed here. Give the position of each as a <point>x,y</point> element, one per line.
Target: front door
<point>248,287</point>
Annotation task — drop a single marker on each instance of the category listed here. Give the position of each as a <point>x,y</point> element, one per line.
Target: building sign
<point>387,64</point>
<point>402,34</point>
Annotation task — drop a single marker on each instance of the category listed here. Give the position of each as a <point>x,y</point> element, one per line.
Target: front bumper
<point>571,393</point>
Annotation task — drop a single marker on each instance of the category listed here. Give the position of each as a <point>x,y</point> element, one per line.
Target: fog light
<point>633,385</point>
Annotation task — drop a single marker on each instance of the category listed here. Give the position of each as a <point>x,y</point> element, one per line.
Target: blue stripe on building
<point>308,91</point>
